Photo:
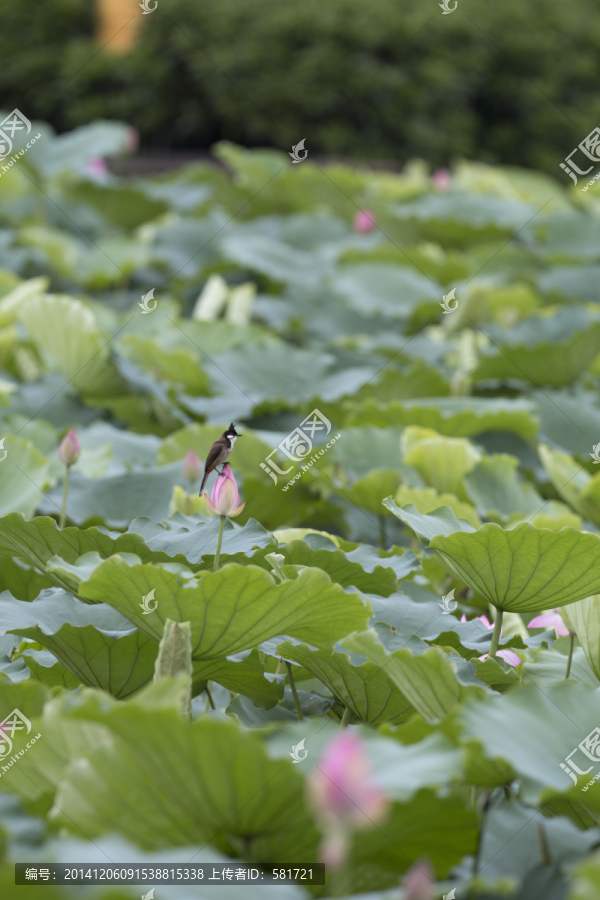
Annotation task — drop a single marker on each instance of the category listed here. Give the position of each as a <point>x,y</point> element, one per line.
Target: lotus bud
<point>343,797</point>
<point>225,499</point>
<point>441,179</point>
<point>191,466</point>
<point>70,448</point>
<point>419,881</point>
<point>364,221</point>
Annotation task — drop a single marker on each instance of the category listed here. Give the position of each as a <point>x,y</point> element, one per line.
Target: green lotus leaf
<point>65,330</point>
<point>233,609</point>
<point>364,688</point>
<point>584,619</point>
<point>441,461</point>
<point>427,499</point>
<point>428,681</point>
<point>497,492</point>
<point>525,569</point>
<point>452,416</point>
<point>208,781</point>
<point>543,349</point>
<point>427,526</point>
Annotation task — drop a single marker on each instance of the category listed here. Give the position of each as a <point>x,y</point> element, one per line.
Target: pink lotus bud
<point>364,221</point>
<point>70,448</point>
<point>342,795</point>
<point>419,881</point>
<point>191,466</point>
<point>441,179</point>
<point>96,167</point>
<point>224,498</point>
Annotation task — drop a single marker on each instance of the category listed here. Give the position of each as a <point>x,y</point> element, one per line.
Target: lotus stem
<point>294,692</point>
<point>346,717</point>
<point>209,696</point>
<point>570,656</point>
<point>496,634</point>
<point>63,513</point>
<point>219,542</point>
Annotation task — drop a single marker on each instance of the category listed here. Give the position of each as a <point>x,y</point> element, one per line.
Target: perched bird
<point>219,452</point>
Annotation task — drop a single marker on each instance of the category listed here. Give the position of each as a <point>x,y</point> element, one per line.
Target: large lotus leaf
<point>416,380</point>
<point>569,419</point>
<point>442,829</point>
<point>277,259</point>
<point>24,475</point>
<point>364,449</point>
<point>384,289</point>
<point>276,372</point>
<point>427,499</point>
<point>427,525</point>
<point>197,540</point>
<point>368,491</point>
<point>117,499</point>
<point>364,689</point>
<point>208,781</point>
<point>428,681</point>
<point>568,477</point>
<point>442,461</point>
<point>452,416</point>
<point>543,349</point>
<point>545,726</point>
<point>584,619</point>
<point>180,366</point>
<point>65,330</point>
<point>525,569</point>
<point>119,665</point>
<point>374,577</point>
<point>40,539</point>
<point>495,489</point>
<point>245,677</point>
<point>457,216</point>
<point>23,581</point>
<point>233,609</point>
<point>40,768</point>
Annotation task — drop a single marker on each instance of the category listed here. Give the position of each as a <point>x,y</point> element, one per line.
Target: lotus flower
<point>224,498</point>
<point>342,796</point>
<point>191,466</point>
<point>419,881</point>
<point>550,620</point>
<point>441,179</point>
<point>364,221</point>
<point>507,655</point>
<point>70,448</point>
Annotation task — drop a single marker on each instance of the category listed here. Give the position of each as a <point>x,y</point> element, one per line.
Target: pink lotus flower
<point>364,221</point>
<point>419,881</point>
<point>441,179</point>
<point>507,655</point>
<point>550,620</point>
<point>96,167</point>
<point>224,498</point>
<point>342,795</point>
<point>191,466</point>
<point>70,448</point>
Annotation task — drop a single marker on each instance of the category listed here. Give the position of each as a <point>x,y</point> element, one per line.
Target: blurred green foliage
<point>501,82</point>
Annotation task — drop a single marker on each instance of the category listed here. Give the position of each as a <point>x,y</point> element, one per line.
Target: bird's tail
<point>206,474</point>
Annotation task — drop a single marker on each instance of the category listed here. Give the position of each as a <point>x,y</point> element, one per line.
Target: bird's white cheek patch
<point>233,438</point>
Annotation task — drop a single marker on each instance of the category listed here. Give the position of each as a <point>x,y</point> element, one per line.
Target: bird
<point>219,452</point>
